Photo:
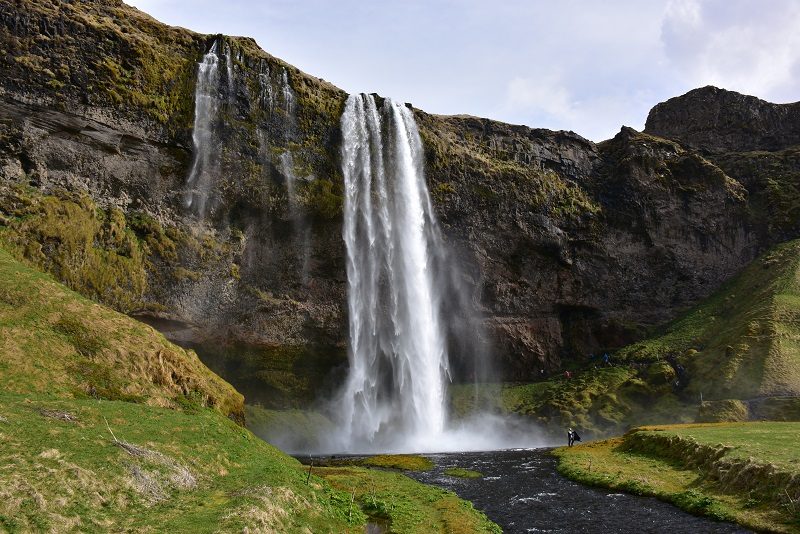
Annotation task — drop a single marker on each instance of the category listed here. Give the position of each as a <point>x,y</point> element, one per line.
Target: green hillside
<point>744,341</point>
<point>106,426</point>
<point>55,342</point>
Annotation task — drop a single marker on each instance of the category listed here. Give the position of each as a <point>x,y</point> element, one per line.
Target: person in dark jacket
<point>572,437</point>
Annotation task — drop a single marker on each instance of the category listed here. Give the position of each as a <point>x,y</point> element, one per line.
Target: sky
<point>584,66</point>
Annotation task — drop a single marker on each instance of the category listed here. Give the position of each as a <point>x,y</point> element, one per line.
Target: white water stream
<point>205,164</point>
<point>398,362</point>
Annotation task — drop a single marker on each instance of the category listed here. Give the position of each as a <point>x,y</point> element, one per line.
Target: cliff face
<point>568,247</point>
<point>579,246</point>
<point>716,120</point>
<point>99,100</point>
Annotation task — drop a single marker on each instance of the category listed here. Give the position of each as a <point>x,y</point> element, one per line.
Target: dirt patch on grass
<point>58,415</point>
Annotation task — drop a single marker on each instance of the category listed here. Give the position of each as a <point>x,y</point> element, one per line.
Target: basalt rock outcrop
<point>566,246</point>
<point>716,121</point>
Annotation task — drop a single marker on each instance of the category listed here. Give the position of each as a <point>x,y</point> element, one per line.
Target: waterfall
<point>265,86</point>
<point>300,228</point>
<point>287,93</point>
<point>395,389</point>
<point>229,67</point>
<point>206,104</point>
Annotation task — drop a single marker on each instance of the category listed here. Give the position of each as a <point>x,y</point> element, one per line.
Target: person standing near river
<point>572,437</point>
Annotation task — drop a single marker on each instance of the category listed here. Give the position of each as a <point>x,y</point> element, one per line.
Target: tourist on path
<point>572,437</point>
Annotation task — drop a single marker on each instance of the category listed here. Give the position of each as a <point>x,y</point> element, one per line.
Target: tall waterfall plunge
<point>398,361</point>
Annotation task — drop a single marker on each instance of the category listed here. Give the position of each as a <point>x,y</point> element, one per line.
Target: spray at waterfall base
<point>407,305</point>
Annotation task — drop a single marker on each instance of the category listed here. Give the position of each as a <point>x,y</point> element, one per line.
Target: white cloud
<point>545,94</point>
<point>743,45</point>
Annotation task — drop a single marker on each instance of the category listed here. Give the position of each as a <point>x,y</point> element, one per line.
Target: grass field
<point>406,505</point>
<point>777,443</point>
<point>744,472</point>
<point>106,426</point>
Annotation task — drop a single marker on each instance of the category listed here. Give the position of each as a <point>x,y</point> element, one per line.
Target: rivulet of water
<point>204,165</point>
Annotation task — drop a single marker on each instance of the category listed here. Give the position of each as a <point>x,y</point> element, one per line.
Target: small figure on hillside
<point>606,360</point>
<point>567,375</point>
<point>541,374</point>
<point>572,437</point>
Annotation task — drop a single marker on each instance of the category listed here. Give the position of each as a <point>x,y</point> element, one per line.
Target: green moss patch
<point>462,473</point>
<point>403,505</point>
<point>404,462</point>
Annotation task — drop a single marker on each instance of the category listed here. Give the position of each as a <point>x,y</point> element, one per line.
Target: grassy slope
<point>54,341</point>
<point>744,341</point>
<point>732,471</point>
<point>204,473</point>
<point>75,377</point>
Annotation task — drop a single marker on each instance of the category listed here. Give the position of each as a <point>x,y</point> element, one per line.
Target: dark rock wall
<point>716,120</point>
<point>566,246</point>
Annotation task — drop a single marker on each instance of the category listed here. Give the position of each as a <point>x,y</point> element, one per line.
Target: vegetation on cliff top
<point>136,63</point>
<point>744,472</point>
<point>466,160</point>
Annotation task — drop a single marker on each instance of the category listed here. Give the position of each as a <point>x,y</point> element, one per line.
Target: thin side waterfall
<point>395,390</point>
<point>206,105</point>
<point>229,68</point>
<point>287,93</point>
<point>266,86</point>
<point>300,227</point>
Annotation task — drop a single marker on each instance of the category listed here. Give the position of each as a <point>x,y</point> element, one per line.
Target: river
<point>522,492</point>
